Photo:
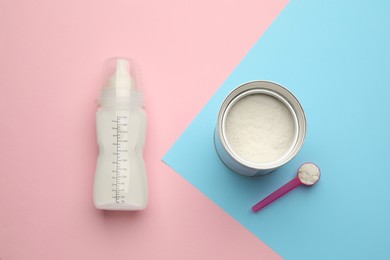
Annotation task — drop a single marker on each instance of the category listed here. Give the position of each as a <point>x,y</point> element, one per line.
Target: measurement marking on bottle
<point>120,162</point>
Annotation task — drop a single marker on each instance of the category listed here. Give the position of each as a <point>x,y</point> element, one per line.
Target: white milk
<point>260,129</point>
<point>120,179</point>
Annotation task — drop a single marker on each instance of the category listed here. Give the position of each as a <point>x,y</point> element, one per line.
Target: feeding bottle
<point>120,178</point>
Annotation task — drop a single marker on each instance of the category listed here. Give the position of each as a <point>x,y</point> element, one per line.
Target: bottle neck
<point>110,99</point>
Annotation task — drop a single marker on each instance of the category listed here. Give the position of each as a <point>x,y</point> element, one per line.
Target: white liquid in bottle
<point>120,179</point>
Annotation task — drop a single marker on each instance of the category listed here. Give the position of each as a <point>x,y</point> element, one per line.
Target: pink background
<point>51,53</point>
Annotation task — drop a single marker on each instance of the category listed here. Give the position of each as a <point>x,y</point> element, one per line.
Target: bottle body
<point>120,178</point>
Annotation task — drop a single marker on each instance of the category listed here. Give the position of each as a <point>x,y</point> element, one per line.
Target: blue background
<point>335,57</point>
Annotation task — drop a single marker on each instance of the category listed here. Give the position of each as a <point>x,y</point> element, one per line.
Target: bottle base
<point>120,206</point>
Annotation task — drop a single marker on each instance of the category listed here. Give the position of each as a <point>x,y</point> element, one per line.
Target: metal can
<point>230,155</point>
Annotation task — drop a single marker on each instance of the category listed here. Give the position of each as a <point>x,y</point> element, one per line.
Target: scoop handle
<point>277,194</point>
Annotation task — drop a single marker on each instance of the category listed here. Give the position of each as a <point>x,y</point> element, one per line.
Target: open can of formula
<point>261,126</point>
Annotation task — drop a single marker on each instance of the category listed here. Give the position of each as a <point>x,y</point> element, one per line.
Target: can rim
<point>279,92</point>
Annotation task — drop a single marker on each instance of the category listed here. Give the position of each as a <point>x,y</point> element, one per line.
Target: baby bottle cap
<point>118,82</point>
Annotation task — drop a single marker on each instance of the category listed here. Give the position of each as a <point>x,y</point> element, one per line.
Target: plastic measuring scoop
<point>308,174</point>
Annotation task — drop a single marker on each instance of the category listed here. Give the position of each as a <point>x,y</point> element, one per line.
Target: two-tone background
<point>333,56</point>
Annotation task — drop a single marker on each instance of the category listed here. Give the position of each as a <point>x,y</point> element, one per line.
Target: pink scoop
<point>308,174</point>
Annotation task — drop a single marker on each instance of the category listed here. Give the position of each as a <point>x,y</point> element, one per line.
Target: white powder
<point>309,173</point>
<point>260,128</point>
